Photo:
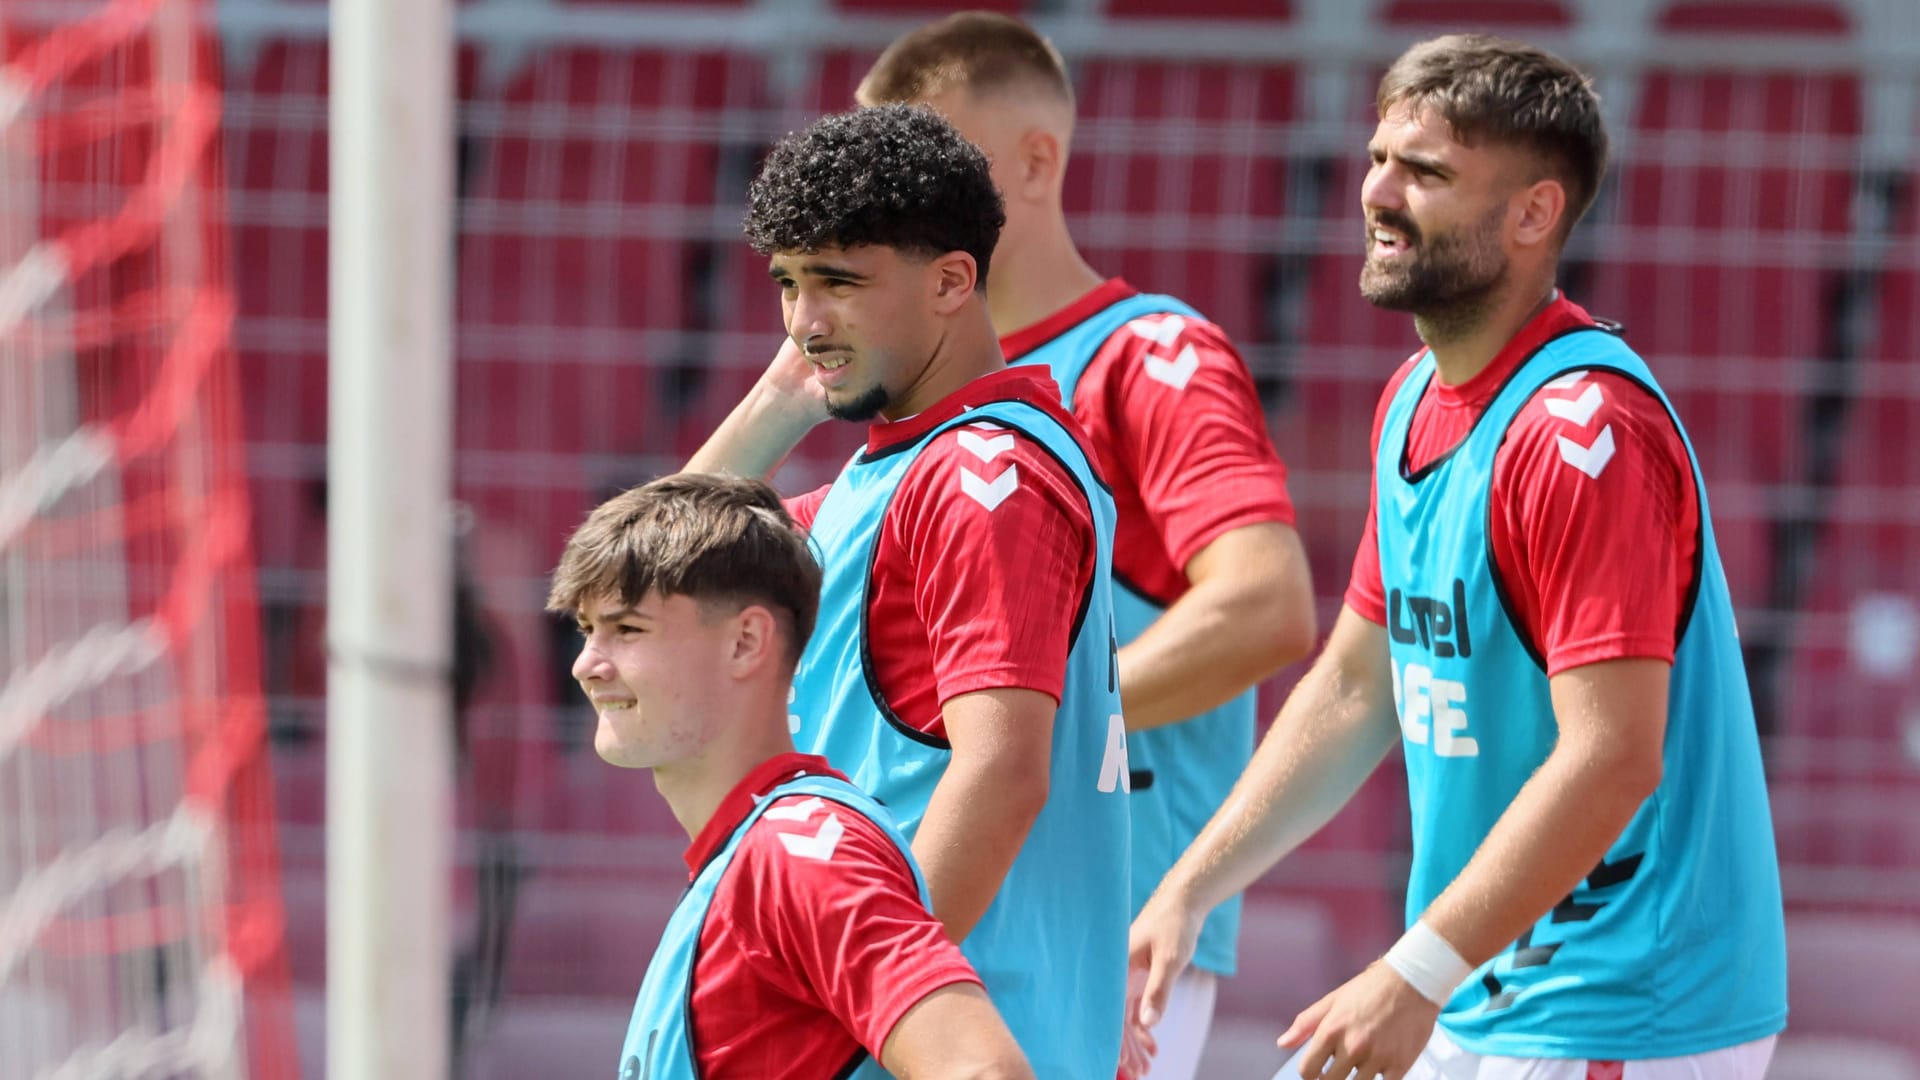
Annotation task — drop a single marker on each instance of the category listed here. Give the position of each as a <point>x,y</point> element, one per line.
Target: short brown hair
<point>708,536</point>
<point>1512,93</point>
<point>974,50</point>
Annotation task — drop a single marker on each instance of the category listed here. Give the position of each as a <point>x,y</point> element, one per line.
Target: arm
<point>987,800</point>
<point>1330,735</point>
<point>1248,613</point>
<point>954,1033</point>
<point>769,422</point>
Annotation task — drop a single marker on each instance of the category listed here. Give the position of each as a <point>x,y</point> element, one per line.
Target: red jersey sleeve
<point>803,508</point>
<point>1174,411</point>
<point>1596,521</point>
<point>1002,548</point>
<point>826,907</point>
<point>1365,593</point>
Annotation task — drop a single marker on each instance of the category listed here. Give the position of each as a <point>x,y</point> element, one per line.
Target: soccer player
<point>1538,615</point>
<point>1211,586</point>
<point>804,944</point>
<point>964,669</point>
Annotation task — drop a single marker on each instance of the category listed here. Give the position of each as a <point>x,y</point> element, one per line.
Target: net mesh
<point>139,922</point>
<point>1757,239</point>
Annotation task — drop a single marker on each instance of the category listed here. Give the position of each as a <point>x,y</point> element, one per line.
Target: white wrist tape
<point>1428,963</point>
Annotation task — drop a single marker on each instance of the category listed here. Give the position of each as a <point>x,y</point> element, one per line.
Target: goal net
<point>140,927</point>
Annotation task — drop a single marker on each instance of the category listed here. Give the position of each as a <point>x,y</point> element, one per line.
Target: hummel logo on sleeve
<point>983,448</point>
<point>818,846</point>
<point>1176,372</point>
<point>1588,459</point>
<point>1578,410</point>
<point>990,493</point>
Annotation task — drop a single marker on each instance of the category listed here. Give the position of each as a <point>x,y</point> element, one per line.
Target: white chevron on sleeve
<point>1176,372</point>
<point>985,449</point>
<point>1568,381</point>
<point>799,811</point>
<point>989,494</point>
<point>1588,459</point>
<point>1162,332</point>
<point>818,846</point>
<point>1579,410</point>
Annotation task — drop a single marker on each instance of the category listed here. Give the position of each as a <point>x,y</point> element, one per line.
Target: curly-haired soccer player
<point>964,667</point>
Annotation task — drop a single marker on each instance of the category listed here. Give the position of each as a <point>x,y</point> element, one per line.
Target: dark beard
<point>860,409</point>
<point>1448,285</point>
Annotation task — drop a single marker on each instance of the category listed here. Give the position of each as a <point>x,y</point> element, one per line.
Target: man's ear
<point>1040,158</point>
<point>954,277</point>
<point>755,642</point>
<point>1543,206</point>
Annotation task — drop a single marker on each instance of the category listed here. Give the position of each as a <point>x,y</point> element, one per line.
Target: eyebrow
<point>1416,159</point>
<point>818,269</point>
<point>612,616</point>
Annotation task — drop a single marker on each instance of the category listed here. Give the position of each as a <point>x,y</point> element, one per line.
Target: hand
<point>1137,1045</point>
<point>790,381</point>
<point>1159,947</point>
<point>1376,1025</point>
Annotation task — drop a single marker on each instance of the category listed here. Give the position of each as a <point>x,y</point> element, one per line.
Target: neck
<point>1465,341</point>
<point>695,787</point>
<point>967,350</point>
<point>1036,275</point>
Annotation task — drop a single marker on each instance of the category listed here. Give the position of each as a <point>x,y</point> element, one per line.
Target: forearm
<point>756,436</point>
<point>1330,735</point>
<point>1551,836</point>
<point>1215,642</point>
<point>976,821</point>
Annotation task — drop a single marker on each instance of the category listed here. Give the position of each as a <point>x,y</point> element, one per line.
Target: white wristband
<point>1428,963</point>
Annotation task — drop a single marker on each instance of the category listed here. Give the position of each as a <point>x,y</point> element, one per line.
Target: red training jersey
<point>975,586</point>
<point>808,957</point>
<point>1596,552</point>
<point>1171,411</point>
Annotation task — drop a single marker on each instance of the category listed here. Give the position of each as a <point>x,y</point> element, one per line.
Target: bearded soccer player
<point>1538,616</point>
<point>1211,586</point>
<point>803,946</point>
<point>963,672</point>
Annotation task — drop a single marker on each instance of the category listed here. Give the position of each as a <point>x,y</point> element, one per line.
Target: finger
<point>1306,1023</point>
<point>1161,971</point>
<point>1313,1060</point>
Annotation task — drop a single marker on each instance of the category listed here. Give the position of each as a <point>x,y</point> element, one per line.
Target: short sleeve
<point>1597,522</point>
<point>826,907</point>
<point>1002,549</point>
<point>1173,405</point>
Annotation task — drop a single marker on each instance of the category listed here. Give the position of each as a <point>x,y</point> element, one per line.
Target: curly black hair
<point>898,176</point>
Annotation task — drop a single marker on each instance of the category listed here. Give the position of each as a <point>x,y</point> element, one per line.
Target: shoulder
<point>1584,420</point>
<point>1164,350</point>
<point>979,467</point>
<point>807,842</point>
<point>1394,383</point>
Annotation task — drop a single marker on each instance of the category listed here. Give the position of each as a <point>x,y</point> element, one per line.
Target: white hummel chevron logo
<point>1162,332</point>
<point>989,494</point>
<point>1176,372</point>
<point>1579,410</point>
<point>1568,381</point>
<point>985,449</point>
<point>1588,459</point>
<point>818,846</point>
<point>799,811</point>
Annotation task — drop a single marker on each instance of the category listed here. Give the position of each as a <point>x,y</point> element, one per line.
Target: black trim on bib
<point>1139,593</point>
<point>852,1066</point>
